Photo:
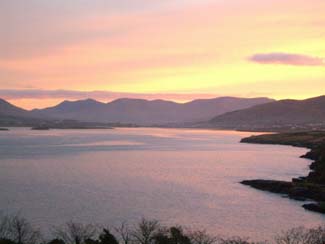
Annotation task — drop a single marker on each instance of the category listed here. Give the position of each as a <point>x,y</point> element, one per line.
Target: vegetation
<point>15,229</point>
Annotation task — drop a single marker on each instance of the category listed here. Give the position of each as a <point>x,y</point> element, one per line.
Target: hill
<point>12,116</point>
<point>283,114</point>
<point>7,109</point>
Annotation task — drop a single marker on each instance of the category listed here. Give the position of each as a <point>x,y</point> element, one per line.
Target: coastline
<point>310,187</point>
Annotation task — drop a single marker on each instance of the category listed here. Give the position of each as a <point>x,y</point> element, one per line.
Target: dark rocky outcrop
<point>312,186</point>
<point>270,185</point>
<point>295,190</point>
<point>315,207</point>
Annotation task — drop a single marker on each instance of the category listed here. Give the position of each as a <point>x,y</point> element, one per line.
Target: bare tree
<point>145,231</point>
<point>75,233</point>
<point>4,227</point>
<point>234,240</point>
<point>124,233</point>
<point>202,237</point>
<point>20,231</point>
<point>302,235</point>
<point>317,235</point>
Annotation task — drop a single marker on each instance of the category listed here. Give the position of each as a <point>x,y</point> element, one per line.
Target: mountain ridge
<point>9,109</point>
<point>147,112</point>
<point>284,113</point>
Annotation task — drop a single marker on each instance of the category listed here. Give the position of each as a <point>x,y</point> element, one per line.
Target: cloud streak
<point>287,59</point>
<point>13,94</point>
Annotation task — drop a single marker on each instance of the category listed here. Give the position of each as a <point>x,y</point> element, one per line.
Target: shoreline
<point>304,188</point>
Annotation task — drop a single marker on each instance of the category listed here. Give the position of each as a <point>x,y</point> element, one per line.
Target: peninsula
<point>310,187</point>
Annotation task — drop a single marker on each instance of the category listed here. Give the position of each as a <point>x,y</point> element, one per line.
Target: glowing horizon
<point>207,48</point>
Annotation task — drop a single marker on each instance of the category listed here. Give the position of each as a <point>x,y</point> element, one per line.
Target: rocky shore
<point>310,187</point>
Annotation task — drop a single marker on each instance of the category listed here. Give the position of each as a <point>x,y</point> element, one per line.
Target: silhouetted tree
<point>124,233</point>
<point>91,241</point>
<point>56,241</point>
<point>145,231</point>
<point>317,235</point>
<point>4,227</point>
<point>235,240</point>
<point>178,237</point>
<point>173,235</point>
<point>21,232</point>
<point>16,230</point>
<point>107,238</point>
<point>6,241</point>
<point>75,233</point>
<point>202,237</point>
<point>302,235</point>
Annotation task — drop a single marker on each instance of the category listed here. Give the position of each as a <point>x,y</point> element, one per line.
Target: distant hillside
<point>144,112</point>
<point>285,113</point>
<point>7,109</point>
<point>11,115</point>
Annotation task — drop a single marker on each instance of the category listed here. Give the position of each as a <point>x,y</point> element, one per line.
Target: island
<point>4,129</point>
<point>310,187</point>
<point>70,124</point>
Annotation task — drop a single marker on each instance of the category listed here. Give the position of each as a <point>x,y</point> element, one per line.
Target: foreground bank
<point>310,187</point>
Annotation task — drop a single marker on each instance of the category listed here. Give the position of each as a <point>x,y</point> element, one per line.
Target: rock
<point>270,185</point>
<point>315,207</point>
<point>299,193</point>
<point>299,179</point>
<point>310,187</point>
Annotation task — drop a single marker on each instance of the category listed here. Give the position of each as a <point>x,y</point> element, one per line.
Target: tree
<point>178,236</point>
<point>124,233</point>
<point>234,240</point>
<point>302,235</point>
<point>317,235</point>
<point>6,241</point>
<point>202,237</point>
<point>56,241</point>
<point>21,232</point>
<point>91,241</point>
<point>145,231</point>
<point>75,233</point>
<point>4,227</point>
<point>107,238</point>
<point>173,235</point>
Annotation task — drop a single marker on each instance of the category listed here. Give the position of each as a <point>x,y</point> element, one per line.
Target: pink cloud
<point>288,59</point>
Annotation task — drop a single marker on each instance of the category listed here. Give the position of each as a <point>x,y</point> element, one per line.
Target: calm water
<point>177,176</point>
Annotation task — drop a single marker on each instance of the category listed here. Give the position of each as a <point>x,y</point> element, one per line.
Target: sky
<point>52,50</point>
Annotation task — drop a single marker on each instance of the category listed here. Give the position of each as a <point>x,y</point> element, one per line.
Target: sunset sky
<point>51,50</point>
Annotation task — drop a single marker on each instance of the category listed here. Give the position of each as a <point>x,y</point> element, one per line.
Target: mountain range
<point>226,113</point>
<point>144,112</point>
<point>135,111</point>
